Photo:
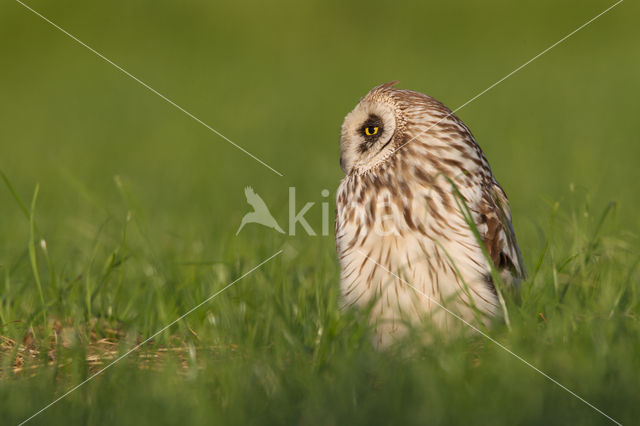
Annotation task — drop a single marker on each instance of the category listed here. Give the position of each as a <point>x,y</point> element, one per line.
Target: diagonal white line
<point>136,347</point>
<point>500,345</point>
<point>510,74</point>
<point>145,85</point>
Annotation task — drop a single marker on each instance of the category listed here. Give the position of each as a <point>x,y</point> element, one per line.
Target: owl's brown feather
<point>499,237</point>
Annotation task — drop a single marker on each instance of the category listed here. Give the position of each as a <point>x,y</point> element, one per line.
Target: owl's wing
<point>496,229</point>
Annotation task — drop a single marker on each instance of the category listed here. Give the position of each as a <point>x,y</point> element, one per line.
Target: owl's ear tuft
<point>388,85</point>
<point>384,87</point>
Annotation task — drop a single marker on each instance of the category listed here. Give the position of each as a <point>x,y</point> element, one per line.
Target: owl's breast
<point>407,254</point>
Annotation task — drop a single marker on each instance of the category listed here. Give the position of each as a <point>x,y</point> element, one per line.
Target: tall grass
<point>276,347</point>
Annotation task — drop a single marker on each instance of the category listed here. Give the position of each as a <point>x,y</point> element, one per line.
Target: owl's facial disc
<point>367,133</point>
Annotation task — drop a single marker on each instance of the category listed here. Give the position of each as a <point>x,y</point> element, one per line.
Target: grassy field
<point>118,212</point>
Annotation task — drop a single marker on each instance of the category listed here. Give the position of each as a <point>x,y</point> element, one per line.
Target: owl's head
<point>382,122</point>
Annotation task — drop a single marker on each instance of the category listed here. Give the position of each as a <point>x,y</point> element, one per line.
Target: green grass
<point>138,206</point>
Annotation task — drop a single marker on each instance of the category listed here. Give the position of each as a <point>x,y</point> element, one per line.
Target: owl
<point>419,217</point>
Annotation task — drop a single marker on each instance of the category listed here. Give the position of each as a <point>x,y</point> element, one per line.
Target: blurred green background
<point>277,78</point>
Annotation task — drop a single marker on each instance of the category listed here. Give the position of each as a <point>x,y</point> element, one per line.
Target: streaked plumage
<point>396,211</point>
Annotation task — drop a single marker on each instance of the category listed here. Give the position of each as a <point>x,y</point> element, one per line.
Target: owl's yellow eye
<point>371,130</point>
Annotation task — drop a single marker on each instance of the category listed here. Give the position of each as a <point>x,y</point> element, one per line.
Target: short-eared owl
<point>414,173</point>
